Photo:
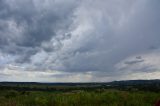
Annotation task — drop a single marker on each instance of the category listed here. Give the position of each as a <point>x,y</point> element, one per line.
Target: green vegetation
<point>98,97</point>
<point>117,93</point>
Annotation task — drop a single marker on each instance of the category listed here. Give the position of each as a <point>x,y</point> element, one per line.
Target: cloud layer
<point>59,40</point>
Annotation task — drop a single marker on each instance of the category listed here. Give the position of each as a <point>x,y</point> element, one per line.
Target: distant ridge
<point>125,85</point>
<point>123,82</point>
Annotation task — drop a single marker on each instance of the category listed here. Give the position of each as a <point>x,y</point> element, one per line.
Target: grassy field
<point>99,97</point>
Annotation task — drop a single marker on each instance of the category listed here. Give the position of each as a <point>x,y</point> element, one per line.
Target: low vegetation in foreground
<point>78,98</point>
<point>42,95</point>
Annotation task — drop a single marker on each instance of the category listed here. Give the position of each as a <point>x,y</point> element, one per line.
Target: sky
<point>79,40</point>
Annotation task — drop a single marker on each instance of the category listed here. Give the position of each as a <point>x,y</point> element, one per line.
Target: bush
<point>11,94</point>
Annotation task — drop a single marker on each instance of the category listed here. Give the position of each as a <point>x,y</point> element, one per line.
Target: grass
<point>78,98</point>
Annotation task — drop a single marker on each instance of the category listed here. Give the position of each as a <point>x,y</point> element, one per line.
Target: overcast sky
<point>79,40</point>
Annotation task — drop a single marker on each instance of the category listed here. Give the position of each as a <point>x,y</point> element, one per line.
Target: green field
<point>98,97</point>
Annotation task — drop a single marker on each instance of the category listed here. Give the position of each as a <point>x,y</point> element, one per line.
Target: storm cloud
<point>59,40</point>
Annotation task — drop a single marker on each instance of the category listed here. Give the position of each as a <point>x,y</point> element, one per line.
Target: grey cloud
<point>24,26</point>
<point>153,47</point>
<point>38,26</point>
<point>115,39</point>
<point>146,69</point>
<point>133,62</point>
<point>2,75</point>
<point>79,36</point>
<point>138,59</point>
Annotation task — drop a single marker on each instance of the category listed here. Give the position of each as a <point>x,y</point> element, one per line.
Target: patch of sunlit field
<point>78,98</point>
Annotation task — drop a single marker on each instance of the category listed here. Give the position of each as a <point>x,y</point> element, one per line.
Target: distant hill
<point>135,82</point>
<point>123,82</point>
<point>132,85</point>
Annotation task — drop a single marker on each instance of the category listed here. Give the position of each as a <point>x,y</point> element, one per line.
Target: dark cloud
<point>133,62</point>
<point>138,59</point>
<point>96,38</point>
<point>24,27</point>
<point>153,47</point>
<point>37,25</point>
